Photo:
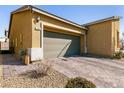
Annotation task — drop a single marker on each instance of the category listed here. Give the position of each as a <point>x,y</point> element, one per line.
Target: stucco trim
<point>62,28</point>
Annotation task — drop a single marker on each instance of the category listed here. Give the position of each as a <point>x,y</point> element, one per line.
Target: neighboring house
<point>2,39</point>
<point>46,35</point>
<point>4,42</point>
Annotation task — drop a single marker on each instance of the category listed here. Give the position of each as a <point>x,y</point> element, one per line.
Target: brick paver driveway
<point>103,72</point>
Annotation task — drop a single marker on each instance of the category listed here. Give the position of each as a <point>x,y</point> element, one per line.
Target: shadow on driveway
<point>11,67</point>
<point>9,59</point>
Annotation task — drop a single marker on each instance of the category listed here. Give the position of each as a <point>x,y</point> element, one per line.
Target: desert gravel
<point>53,79</point>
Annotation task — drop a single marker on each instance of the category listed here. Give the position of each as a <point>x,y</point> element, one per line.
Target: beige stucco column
<point>41,37</point>
<point>85,43</point>
<point>36,52</point>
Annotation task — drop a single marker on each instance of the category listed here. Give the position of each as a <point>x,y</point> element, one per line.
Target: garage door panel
<point>57,45</point>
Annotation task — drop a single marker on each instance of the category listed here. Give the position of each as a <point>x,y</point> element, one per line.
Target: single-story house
<point>46,35</point>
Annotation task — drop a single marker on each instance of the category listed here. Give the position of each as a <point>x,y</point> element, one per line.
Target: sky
<point>80,14</point>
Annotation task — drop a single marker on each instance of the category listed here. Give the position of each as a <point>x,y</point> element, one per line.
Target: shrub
<point>79,82</point>
<point>36,73</point>
<point>117,55</point>
<point>22,52</point>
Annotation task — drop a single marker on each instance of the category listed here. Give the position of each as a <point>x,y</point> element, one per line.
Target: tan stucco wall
<point>54,25</point>
<point>82,44</point>
<point>100,38</point>
<point>21,30</point>
<point>35,39</point>
<point>48,21</point>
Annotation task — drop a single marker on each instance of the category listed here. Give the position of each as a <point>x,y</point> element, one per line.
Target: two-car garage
<point>58,45</point>
<point>45,35</point>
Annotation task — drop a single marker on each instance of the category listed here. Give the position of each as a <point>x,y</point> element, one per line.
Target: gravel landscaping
<point>14,74</point>
<point>51,80</point>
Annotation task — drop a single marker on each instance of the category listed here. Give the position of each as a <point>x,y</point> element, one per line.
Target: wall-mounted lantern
<point>37,23</point>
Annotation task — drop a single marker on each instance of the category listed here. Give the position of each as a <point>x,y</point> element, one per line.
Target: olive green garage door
<point>58,45</point>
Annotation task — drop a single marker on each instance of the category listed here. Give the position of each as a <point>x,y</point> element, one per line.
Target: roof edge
<point>103,20</point>
<point>29,7</point>
<point>56,17</point>
<point>23,8</point>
